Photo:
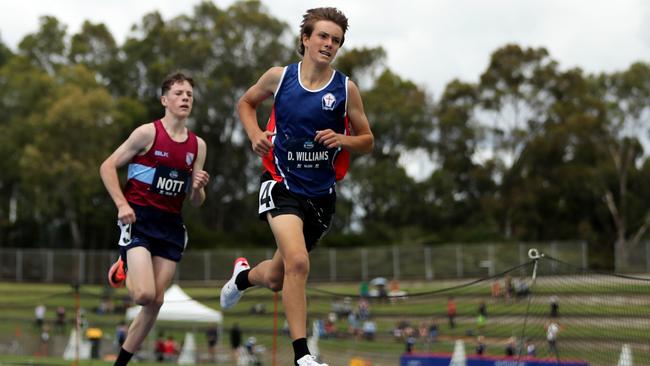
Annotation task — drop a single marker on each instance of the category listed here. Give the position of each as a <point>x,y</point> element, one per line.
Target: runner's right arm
<point>140,140</point>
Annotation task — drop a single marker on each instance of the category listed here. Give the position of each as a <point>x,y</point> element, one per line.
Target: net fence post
<point>585,254</point>
<point>206,265</point>
<point>49,265</point>
<point>19,265</point>
<point>82,266</point>
<point>364,264</point>
<point>554,255</point>
<point>490,250</point>
<point>395,262</point>
<point>459,261</point>
<point>647,255</point>
<point>428,269</point>
<point>332,255</point>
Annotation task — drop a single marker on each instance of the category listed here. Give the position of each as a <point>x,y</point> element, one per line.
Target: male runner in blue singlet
<point>317,119</point>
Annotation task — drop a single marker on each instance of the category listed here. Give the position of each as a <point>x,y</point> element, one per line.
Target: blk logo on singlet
<point>328,102</point>
<point>162,154</point>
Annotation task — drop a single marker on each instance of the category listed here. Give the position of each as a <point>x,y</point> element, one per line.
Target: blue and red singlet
<point>162,177</point>
<point>303,165</point>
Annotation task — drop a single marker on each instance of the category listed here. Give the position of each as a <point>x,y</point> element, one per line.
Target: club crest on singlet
<point>328,102</point>
<point>189,158</point>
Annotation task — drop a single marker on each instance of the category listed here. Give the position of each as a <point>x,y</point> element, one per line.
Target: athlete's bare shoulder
<point>142,137</point>
<point>271,78</point>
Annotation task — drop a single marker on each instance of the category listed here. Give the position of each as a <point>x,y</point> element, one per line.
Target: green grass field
<point>597,315</point>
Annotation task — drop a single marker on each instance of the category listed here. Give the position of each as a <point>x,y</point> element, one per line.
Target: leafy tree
<point>514,98</point>
<point>5,54</point>
<point>58,167</point>
<point>463,189</point>
<point>23,90</point>
<point>627,94</point>
<point>95,48</point>
<point>401,119</point>
<point>46,48</point>
<point>361,64</point>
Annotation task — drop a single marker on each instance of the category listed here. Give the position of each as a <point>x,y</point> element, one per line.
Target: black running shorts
<point>316,213</point>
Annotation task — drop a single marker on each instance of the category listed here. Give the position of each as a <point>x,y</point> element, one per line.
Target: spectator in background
<point>433,332</point>
<point>60,319</point>
<point>480,345</point>
<point>509,290</point>
<point>363,289</point>
<point>482,316</point>
<point>171,349</point>
<point>382,293</point>
<point>521,288</point>
<point>45,341</point>
<point>364,309</point>
<point>235,342</point>
<point>212,336</point>
<point>496,289</point>
<point>451,311</point>
<point>105,306</point>
<point>510,347</point>
<point>159,348</point>
<point>399,332</point>
<point>251,353</point>
<point>531,349</point>
<point>555,307</point>
<point>354,327</point>
<point>39,315</point>
<point>330,325</point>
<point>409,336</point>
<point>482,308</point>
<point>83,319</point>
<point>369,330</point>
<point>423,331</point>
<point>552,330</point>
<point>120,334</point>
<point>95,335</point>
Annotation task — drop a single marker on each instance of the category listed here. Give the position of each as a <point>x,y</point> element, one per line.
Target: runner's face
<point>179,99</point>
<point>324,42</point>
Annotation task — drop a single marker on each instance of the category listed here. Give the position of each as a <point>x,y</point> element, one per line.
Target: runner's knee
<point>297,265</point>
<point>143,297</point>
<point>275,283</point>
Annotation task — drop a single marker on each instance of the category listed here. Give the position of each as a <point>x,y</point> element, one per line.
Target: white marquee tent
<point>178,306</point>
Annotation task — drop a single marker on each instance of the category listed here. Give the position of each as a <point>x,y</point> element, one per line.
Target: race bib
<point>308,154</point>
<point>125,234</point>
<point>169,182</point>
<point>266,198</point>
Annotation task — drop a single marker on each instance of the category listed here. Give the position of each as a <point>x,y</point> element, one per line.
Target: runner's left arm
<point>200,177</point>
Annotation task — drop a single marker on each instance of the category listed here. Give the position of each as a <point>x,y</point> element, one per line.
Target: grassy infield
<point>594,325</point>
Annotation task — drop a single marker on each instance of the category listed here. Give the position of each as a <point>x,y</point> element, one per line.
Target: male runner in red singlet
<point>317,119</point>
<point>165,163</point>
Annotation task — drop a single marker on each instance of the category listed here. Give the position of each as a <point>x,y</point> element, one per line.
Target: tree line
<point>529,152</point>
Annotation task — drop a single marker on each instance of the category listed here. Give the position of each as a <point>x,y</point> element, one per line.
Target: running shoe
<point>230,294</point>
<point>309,360</point>
<point>116,274</point>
